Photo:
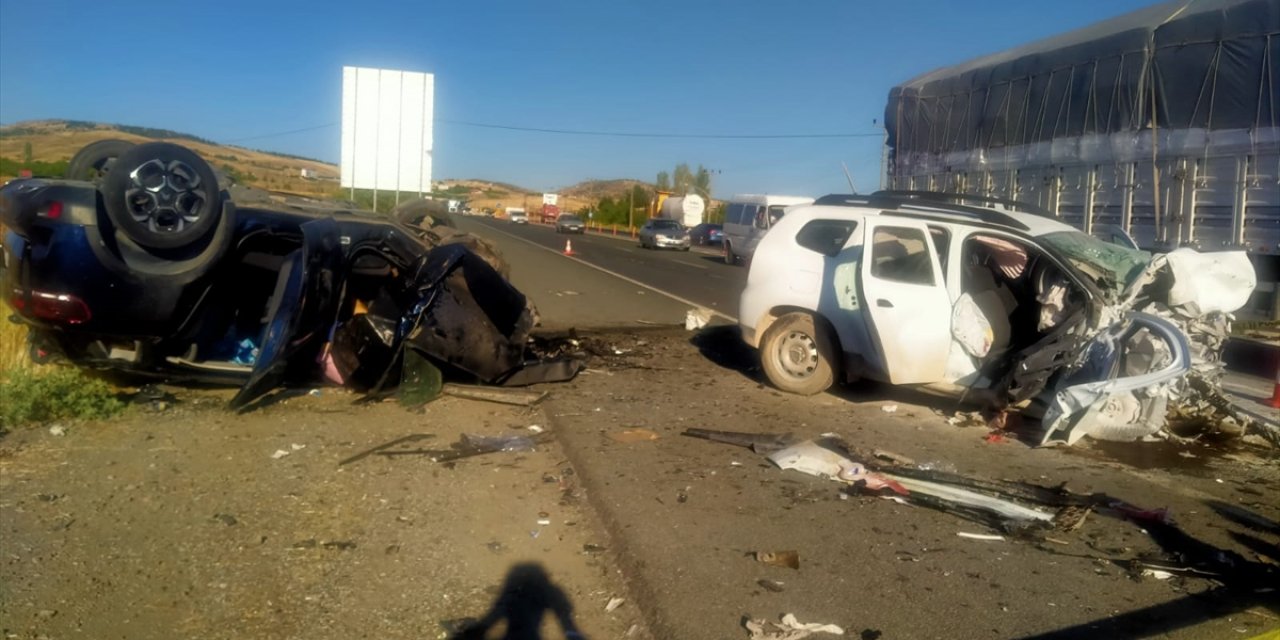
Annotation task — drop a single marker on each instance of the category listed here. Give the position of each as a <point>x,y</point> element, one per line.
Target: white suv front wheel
<point>797,356</point>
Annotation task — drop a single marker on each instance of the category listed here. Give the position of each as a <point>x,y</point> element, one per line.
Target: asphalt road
<point>697,277</point>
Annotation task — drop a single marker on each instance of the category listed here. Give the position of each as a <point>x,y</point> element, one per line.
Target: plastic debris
<point>314,393</point>
<point>788,559</point>
<point>544,521</point>
<point>980,536</point>
<point>534,428</point>
<point>614,603</point>
<point>771,585</point>
<point>889,408</point>
<point>696,319</point>
<point>1158,574</point>
<point>634,435</point>
<point>788,629</point>
<point>58,430</point>
<point>280,453</point>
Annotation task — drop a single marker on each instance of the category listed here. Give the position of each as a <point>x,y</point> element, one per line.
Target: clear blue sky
<point>231,70</point>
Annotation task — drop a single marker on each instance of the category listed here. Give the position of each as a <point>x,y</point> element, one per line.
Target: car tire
<point>94,160</point>
<point>162,196</point>
<point>729,258</point>
<point>798,355</point>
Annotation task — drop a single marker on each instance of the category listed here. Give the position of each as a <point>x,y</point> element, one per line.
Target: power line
<point>284,133</point>
<point>611,134</point>
<point>632,134</point>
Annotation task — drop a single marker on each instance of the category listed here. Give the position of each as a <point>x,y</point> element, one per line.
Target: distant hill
<point>596,189</point>
<point>55,141</point>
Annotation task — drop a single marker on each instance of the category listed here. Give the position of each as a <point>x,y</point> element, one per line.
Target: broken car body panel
<point>1118,391</point>
<point>303,305</point>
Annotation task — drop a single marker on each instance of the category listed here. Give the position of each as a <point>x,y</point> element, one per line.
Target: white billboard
<point>386,129</point>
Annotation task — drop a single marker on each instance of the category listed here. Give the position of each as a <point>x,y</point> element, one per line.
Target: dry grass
<point>13,343</point>
<point>53,141</point>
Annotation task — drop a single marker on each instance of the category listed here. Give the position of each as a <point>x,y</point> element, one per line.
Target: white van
<point>748,217</point>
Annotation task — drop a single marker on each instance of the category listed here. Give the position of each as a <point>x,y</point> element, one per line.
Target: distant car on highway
<point>569,223</point>
<point>747,220</point>
<point>660,233</point>
<point>517,216</point>
<point>706,233</point>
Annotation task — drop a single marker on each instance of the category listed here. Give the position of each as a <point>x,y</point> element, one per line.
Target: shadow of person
<point>526,596</point>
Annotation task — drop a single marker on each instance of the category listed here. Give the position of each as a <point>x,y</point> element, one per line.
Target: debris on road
<point>628,436</point>
<point>613,603</point>
<point>773,586</point>
<point>980,536</point>
<point>413,437</point>
<point>471,445</point>
<point>788,559</point>
<point>889,408</point>
<point>696,319</point>
<point>58,430</point>
<point>788,629</point>
<point>500,395</point>
<point>761,443</point>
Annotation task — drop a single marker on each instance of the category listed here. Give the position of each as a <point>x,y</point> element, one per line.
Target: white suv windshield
<point>1114,267</point>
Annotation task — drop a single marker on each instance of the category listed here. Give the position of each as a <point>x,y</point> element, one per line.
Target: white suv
<point>992,302</point>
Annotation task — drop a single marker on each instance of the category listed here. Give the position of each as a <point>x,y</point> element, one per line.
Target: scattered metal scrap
<point>1022,510</point>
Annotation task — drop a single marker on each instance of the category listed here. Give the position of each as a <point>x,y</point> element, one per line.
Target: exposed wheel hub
<point>798,355</point>
<point>165,197</point>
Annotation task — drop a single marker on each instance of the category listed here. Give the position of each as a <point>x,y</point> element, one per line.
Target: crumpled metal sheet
<point>469,318</point>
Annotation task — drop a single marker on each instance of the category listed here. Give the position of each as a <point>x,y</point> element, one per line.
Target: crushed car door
<point>906,300</point>
<point>300,312</point>
<point>1121,389</point>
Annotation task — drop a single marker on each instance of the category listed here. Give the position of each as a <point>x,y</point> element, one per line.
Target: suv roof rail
<point>966,198</point>
<point>908,205</point>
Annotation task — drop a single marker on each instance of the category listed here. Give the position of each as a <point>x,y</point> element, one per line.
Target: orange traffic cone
<point>1275,393</point>
<point>568,248</point>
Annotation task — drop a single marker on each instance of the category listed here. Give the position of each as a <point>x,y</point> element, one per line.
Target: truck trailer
<point>1162,125</point>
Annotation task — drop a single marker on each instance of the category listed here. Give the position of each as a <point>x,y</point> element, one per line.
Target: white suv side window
<point>901,254</point>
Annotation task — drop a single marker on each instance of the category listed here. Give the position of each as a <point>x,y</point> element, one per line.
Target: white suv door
<point>905,298</point>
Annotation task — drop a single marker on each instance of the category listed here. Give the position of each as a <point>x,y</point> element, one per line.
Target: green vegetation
<point>614,211</point>
<point>386,199</point>
<point>494,193</point>
<point>54,394</point>
<point>11,167</point>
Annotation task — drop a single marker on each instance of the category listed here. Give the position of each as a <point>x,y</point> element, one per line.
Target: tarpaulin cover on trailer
<point>1206,64</point>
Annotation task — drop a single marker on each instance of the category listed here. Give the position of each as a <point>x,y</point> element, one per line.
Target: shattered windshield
<point>1111,266</point>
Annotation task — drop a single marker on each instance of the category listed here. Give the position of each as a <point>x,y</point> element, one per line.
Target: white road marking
<point>621,277</point>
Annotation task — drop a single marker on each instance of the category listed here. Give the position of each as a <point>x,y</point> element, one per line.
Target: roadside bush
<point>54,394</point>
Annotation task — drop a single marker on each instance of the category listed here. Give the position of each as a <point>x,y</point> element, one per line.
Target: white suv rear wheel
<point>797,357</point>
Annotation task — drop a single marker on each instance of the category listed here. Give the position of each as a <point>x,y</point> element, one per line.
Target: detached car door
<point>301,311</point>
<point>906,300</point>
